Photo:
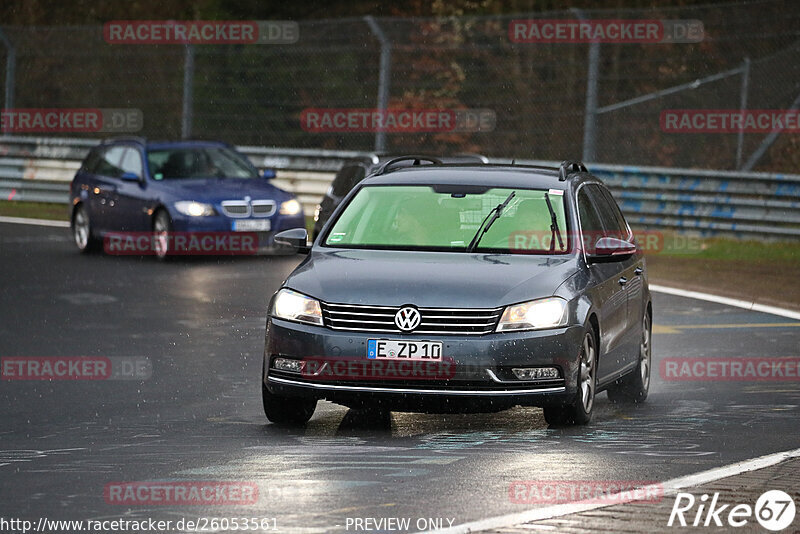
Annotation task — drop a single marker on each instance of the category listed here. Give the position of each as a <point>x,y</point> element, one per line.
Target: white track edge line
<point>670,486</point>
<point>34,222</point>
<point>736,303</point>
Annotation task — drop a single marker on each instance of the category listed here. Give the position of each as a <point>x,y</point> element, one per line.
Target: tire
<point>82,231</point>
<point>634,386</point>
<point>162,227</point>
<point>287,411</point>
<point>581,409</point>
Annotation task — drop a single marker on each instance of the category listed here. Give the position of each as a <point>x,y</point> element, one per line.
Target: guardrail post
<point>590,114</point>
<point>742,109</point>
<point>384,77</point>
<point>188,92</point>
<point>11,63</point>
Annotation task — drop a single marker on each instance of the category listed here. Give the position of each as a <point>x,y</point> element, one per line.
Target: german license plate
<point>393,349</point>
<point>252,225</point>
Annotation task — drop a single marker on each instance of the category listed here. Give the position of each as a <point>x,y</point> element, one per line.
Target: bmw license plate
<point>252,225</point>
<point>391,349</point>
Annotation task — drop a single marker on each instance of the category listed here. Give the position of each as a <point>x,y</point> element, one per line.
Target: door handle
<point>638,271</point>
<point>623,281</point>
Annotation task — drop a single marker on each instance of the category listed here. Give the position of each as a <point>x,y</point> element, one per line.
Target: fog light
<point>535,373</point>
<point>284,364</point>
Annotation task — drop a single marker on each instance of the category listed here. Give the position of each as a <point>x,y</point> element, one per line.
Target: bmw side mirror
<point>267,174</point>
<point>611,249</point>
<point>293,241</point>
<point>130,177</point>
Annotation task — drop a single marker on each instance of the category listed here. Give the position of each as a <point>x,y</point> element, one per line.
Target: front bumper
<point>224,224</point>
<point>478,374</point>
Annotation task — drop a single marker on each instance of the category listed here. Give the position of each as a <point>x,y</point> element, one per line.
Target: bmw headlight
<point>291,207</point>
<point>294,306</point>
<point>194,209</point>
<point>534,315</point>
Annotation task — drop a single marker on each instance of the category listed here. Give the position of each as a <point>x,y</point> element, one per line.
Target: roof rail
<point>135,138</point>
<point>386,167</point>
<point>568,167</point>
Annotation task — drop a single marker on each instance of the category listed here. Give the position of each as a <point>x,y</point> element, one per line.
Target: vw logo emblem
<point>407,318</point>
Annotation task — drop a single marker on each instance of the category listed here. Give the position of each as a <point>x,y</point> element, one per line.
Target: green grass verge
<point>34,210</point>
<point>719,248</point>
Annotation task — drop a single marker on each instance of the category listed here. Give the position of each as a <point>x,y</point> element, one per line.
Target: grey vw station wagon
<point>463,288</point>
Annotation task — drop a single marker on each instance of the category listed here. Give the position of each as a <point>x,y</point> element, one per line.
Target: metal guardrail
<point>744,204</point>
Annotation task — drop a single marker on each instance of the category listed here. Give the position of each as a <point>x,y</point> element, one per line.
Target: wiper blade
<point>555,232</point>
<point>491,217</point>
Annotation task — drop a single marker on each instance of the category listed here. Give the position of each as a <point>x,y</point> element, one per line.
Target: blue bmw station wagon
<point>132,185</point>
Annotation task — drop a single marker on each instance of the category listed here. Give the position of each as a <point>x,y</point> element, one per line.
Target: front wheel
<point>162,226</point>
<point>634,386</point>
<point>287,411</point>
<point>580,411</point>
<point>82,230</point>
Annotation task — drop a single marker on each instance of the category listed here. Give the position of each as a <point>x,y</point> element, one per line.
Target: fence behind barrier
<point>744,204</point>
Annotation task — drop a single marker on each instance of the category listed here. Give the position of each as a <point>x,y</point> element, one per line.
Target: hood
<point>219,189</point>
<point>429,279</point>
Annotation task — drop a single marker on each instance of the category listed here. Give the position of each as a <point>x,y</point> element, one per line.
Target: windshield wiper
<point>555,232</point>
<point>492,216</point>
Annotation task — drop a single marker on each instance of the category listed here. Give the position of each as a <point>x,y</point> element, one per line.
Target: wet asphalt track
<point>200,322</point>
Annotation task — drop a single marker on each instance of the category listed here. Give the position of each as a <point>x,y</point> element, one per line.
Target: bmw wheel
<point>580,411</point>
<point>82,230</point>
<point>162,226</point>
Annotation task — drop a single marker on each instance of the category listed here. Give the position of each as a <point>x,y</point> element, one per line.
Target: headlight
<point>194,209</point>
<point>291,207</point>
<point>293,306</point>
<point>534,315</point>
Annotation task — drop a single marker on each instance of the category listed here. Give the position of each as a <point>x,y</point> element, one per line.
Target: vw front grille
<point>458,321</point>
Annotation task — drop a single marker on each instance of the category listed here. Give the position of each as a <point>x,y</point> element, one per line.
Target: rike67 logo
<point>774,510</point>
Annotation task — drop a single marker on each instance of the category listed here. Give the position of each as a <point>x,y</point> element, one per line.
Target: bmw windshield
<point>198,162</point>
<point>414,217</point>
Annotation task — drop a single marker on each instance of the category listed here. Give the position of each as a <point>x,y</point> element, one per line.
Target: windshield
<point>198,162</point>
<point>419,218</point>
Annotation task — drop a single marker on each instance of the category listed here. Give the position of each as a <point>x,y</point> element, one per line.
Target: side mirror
<point>267,174</point>
<point>293,241</point>
<point>611,249</point>
<point>130,177</point>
